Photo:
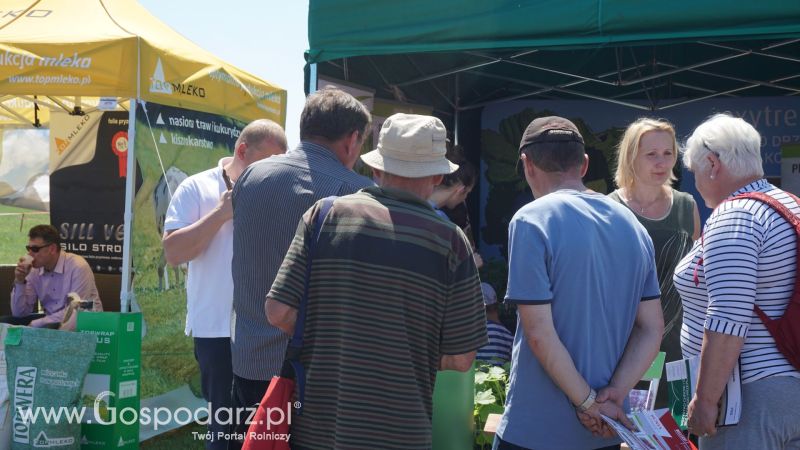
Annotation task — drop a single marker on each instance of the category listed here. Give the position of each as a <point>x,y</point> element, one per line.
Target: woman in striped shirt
<point>747,256</point>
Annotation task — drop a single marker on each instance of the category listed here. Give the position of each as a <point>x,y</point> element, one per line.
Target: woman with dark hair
<point>455,187</point>
<point>450,195</point>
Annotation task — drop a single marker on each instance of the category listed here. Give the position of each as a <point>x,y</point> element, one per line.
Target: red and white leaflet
<point>656,430</point>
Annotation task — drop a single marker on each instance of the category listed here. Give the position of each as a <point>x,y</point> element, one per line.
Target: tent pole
<point>312,78</point>
<point>130,183</point>
<point>130,190</point>
<point>456,112</point>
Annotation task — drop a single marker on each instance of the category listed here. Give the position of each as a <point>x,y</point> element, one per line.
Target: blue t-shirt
<point>590,258</point>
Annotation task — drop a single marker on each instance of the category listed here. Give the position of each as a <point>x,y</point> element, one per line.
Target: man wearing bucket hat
<point>394,296</point>
<point>584,323</point>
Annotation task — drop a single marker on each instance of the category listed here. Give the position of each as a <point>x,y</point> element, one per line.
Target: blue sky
<point>266,38</point>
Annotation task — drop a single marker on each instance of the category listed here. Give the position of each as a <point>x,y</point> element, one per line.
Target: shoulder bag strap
<point>295,347</point>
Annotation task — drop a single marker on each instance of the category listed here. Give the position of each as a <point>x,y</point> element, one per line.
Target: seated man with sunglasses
<point>48,274</point>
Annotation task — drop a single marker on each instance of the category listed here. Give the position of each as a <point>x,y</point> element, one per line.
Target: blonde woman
<point>646,156</point>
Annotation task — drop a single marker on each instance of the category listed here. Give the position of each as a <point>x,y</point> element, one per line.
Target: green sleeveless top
<point>672,239</point>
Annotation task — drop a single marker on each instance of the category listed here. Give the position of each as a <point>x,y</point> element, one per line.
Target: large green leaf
<point>499,147</point>
<point>490,409</point>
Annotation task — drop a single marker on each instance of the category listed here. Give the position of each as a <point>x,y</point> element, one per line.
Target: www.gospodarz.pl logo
<point>25,414</point>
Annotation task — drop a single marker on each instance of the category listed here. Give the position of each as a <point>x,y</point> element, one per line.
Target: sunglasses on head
<point>36,248</point>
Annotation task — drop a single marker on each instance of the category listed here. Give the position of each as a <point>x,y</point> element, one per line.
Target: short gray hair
<point>261,130</point>
<point>734,141</point>
<point>332,114</point>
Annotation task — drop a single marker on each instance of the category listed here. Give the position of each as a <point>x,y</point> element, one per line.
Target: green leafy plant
<point>491,386</point>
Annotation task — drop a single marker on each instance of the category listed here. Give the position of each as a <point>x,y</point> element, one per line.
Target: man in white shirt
<point>198,230</point>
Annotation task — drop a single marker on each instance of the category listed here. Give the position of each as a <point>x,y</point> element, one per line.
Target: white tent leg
<point>456,112</point>
<point>130,192</point>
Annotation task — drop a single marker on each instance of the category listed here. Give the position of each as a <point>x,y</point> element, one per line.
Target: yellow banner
<point>72,139</point>
<point>170,80</point>
<point>85,69</point>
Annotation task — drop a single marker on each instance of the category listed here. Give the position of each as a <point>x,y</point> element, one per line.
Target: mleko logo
<point>158,84</point>
<point>123,442</point>
<point>42,441</point>
<point>61,145</point>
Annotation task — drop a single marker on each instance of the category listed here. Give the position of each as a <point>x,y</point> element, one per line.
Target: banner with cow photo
<point>171,144</point>
<point>87,184</point>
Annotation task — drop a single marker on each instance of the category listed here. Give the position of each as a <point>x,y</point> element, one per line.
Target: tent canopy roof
<point>47,50</point>
<point>463,54</point>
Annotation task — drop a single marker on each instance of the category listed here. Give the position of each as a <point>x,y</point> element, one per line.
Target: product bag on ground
<point>45,372</point>
<point>5,409</point>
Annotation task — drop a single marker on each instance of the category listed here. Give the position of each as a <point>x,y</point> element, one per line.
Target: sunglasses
<point>35,248</point>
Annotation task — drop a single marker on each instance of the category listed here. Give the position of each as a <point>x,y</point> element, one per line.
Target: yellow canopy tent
<point>63,54</point>
<point>105,48</point>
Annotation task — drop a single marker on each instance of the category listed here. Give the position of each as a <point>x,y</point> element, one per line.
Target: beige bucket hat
<point>411,146</point>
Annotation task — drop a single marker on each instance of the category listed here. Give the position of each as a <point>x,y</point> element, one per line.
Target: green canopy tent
<point>460,55</point>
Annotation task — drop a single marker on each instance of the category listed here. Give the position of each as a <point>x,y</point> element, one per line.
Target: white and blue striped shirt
<point>749,257</point>
<point>498,350</point>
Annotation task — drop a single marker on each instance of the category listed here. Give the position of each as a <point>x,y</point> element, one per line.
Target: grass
<point>14,226</point>
<point>167,353</point>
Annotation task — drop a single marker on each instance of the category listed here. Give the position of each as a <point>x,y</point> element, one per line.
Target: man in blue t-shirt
<point>582,274</point>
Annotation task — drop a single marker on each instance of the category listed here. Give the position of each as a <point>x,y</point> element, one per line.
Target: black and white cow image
<point>161,197</point>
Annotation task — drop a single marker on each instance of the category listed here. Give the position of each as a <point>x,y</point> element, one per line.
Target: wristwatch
<point>589,402</point>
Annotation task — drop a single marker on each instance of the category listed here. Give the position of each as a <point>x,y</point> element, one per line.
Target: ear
<point>437,179</point>
<point>715,165</point>
<point>377,175</point>
<point>527,164</point>
<point>353,142</point>
<point>585,165</point>
<point>240,151</point>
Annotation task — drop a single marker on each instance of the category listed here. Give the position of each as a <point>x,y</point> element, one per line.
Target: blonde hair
<point>628,148</point>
